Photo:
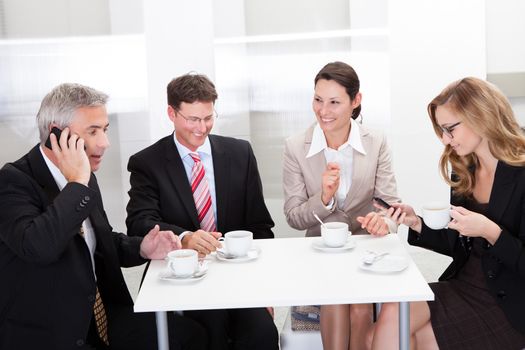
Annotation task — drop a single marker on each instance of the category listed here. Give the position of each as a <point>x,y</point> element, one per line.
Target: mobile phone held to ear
<point>382,203</point>
<point>57,133</point>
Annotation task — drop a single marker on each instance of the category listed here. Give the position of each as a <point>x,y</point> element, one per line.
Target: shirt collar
<point>57,175</point>
<point>184,151</point>
<point>319,141</point>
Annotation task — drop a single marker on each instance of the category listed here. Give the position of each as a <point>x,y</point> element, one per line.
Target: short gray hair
<point>59,106</point>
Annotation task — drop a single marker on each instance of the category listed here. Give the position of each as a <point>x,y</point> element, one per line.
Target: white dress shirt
<point>89,233</point>
<point>343,155</point>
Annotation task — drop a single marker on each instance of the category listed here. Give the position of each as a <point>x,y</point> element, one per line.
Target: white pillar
<point>179,39</point>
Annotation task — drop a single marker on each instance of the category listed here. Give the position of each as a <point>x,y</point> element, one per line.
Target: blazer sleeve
<point>444,241</point>
<point>258,218</point>
<point>298,203</point>
<point>440,241</point>
<point>34,231</point>
<point>510,246</point>
<point>385,182</point>
<point>143,208</point>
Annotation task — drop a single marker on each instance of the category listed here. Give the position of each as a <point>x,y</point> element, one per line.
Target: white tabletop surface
<point>288,271</point>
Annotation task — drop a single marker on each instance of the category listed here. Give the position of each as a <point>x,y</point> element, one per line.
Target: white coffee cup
<point>436,215</point>
<point>237,243</point>
<point>335,234</point>
<point>183,262</point>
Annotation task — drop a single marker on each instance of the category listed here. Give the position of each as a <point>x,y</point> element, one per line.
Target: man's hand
<point>201,241</point>
<point>72,160</point>
<point>330,182</point>
<point>157,244</point>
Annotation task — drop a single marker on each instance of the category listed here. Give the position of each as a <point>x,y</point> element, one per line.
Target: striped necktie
<point>201,195</point>
<point>99,312</point>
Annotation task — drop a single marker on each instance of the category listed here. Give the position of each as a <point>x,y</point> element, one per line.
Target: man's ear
<point>171,113</point>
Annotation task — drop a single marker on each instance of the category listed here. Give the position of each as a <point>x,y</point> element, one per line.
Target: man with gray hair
<point>59,257</point>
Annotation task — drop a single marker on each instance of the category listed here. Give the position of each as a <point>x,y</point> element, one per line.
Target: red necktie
<point>201,195</point>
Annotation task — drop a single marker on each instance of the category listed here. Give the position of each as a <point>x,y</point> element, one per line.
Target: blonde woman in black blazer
<point>479,300</point>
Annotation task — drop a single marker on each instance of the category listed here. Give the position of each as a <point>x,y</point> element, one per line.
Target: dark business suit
<point>48,285</point>
<point>504,263</point>
<point>161,194</point>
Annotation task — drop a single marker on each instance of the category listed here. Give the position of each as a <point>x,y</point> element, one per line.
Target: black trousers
<point>238,329</point>
<point>128,330</point>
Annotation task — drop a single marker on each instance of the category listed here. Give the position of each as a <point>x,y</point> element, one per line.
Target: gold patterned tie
<point>99,312</point>
<point>100,319</point>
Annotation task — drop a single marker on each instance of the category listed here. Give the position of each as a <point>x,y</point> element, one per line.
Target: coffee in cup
<point>183,262</point>
<point>436,215</point>
<point>237,243</point>
<point>335,234</point>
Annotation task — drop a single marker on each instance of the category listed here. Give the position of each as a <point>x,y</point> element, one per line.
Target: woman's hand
<point>374,223</point>
<point>472,224</point>
<point>403,214</point>
<point>330,182</point>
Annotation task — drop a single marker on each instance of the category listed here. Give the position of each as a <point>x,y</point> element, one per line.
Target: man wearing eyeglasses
<point>201,185</point>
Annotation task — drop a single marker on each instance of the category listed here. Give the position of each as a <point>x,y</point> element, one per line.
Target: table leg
<point>162,330</point>
<point>404,325</point>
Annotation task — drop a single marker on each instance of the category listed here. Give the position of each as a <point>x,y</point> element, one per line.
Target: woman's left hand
<point>374,223</point>
<point>472,224</point>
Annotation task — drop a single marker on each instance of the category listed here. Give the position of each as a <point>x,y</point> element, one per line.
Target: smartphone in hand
<point>382,203</point>
<point>57,133</point>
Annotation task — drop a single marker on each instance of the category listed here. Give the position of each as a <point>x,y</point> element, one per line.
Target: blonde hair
<point>484,109</point>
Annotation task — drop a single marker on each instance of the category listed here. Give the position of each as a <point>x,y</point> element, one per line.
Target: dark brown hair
<point>344,75</point>
<point>190,88</point>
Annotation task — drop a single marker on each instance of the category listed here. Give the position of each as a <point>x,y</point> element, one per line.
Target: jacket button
<point>86,198</point>
<point>491,274</point>
<point>501,294</point>
<point>80,342</point>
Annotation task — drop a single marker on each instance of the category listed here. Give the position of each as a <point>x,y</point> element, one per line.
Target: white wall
<point>432,43</point>
<point>505,36</point>
<point>179,39</point>
<point>55,18</point>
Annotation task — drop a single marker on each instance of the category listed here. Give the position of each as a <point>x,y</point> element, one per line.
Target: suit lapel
<point>502,189</point>
<point>317,162</point>
<point>98,220</point>
<point>222,170</point>
<point>177,176</point>
<point>42,174</point>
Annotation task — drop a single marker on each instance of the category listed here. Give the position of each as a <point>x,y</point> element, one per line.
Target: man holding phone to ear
<point>59,257</point>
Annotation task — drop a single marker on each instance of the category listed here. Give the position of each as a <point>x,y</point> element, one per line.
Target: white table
<point>288,271</point>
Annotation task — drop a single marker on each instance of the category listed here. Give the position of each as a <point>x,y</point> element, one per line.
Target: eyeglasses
<point>194,121</point>
<point>447,130</point>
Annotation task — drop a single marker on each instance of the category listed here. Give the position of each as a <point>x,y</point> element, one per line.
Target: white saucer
<point>388,264</point>
<point>252,254</point>
<point>318,244</point>
<point>167,275</point>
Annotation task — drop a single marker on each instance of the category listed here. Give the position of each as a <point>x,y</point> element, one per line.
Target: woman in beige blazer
<point>334,169</point>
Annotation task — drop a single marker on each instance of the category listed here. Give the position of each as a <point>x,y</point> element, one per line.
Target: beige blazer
<point>372,175</point>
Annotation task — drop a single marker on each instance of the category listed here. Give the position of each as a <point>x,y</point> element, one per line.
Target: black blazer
<point>161,194</point>
<point>504,263</point>
<point>48,287</point>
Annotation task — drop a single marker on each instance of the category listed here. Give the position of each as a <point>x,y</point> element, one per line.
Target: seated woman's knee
<point>389,312</point>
